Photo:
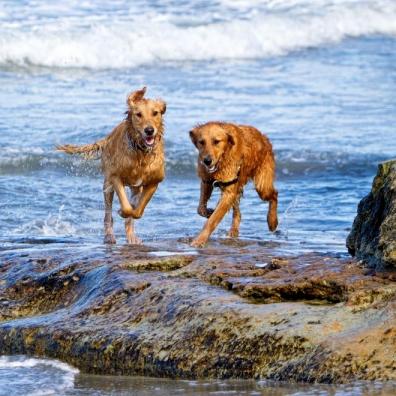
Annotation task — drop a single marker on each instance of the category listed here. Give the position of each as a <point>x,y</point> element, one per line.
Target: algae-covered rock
<point>229,311</point>
<point>373,235</point>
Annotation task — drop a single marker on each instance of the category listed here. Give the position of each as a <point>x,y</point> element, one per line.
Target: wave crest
<point>111,44</point>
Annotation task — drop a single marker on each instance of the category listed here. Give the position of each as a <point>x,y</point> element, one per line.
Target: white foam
<point>7,362</point>
<point>129,43</point>
<point>50,383</point>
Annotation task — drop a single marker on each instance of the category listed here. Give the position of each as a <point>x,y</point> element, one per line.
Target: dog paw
<point>134,241</point>
<point>109,239</point>
<point>198,242</point>
<point>205,212</point>
<point>233,233</point>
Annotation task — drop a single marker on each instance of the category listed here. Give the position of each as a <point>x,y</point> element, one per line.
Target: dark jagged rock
<point>227,312</point>
<point>373,235</point>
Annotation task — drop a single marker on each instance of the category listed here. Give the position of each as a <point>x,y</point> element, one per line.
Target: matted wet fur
<point>132,156</point>
<point>230,155</point>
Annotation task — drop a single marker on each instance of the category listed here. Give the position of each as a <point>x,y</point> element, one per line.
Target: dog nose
<point>207,160</point>
<point>149,130</point>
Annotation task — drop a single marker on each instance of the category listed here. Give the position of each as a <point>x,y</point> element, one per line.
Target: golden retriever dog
<point>230,155</point>
<point>132,156</point>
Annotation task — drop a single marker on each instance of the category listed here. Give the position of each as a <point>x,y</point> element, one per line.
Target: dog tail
<point>88,151</point>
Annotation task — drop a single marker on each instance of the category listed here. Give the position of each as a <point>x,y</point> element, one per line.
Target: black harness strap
<point>221,184</point>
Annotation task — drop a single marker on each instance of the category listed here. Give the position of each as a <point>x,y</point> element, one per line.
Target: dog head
<point>146,117</point>
<point>213,140</point>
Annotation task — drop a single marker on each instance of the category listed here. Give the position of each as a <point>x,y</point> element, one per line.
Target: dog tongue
<point>149,140</point>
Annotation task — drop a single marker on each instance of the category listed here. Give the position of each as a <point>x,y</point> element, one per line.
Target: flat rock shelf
<point>232,310</point>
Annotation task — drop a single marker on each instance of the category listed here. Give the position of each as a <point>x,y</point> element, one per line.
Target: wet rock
<point>221,313</point>
<point>373,235</point>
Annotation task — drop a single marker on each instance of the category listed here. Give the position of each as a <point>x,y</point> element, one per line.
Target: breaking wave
<point>116,42</point>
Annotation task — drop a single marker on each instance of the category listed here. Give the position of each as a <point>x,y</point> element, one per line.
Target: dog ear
<point>231,138</point>
<point>135,96</point>
<point>233,134</point>
<point>162,106</point>
<point>193,137</point>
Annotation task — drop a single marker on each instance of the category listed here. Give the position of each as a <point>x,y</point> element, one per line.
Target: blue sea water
<point>318,77</point>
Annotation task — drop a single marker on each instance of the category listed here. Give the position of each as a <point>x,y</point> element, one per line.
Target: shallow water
<point>317,77</point>
<point>31,376</point>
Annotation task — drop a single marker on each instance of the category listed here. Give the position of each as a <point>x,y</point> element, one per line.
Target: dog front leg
<point>129,226</point>
<point>206,192</point>
<point>226,202</point>
<point>145,196</point>
<point>126,208</point>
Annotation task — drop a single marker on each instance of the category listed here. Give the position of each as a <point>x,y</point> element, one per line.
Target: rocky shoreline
<point>236,309</point>
<point>231,311</point>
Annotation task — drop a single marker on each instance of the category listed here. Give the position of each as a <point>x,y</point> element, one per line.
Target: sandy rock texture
<point>232,310</point>
<point>373,235</point>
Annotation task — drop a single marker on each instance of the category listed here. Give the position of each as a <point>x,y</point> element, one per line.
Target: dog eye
<point>139,115</point>
<point>216,142</point>
<point>201,142</point>
<point>155,113</point>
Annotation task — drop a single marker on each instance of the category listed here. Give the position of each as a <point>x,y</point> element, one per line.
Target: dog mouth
<point>211,169</point>
<point>149,141</point>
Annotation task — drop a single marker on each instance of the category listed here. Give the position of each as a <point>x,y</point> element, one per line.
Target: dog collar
<point>224,184</point>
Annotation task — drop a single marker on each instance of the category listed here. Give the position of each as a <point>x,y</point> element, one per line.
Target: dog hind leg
<point>108,194</point>
<point>264,183</point>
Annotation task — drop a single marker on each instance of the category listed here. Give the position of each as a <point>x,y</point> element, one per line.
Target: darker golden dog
<point>230,155</point>
<point>132,156</point>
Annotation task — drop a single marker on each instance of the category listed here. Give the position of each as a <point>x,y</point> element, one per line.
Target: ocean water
<point>318,77</point>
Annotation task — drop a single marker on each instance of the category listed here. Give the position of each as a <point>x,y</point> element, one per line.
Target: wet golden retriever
<point>230,155</point>
<point>132,156</point>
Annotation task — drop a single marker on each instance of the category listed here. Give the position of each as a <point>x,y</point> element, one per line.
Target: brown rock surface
<point>373,235</point>
<point>229,311</point>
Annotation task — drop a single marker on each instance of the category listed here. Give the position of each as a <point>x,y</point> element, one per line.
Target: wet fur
<point>123,165</point>
<point>240,152</point>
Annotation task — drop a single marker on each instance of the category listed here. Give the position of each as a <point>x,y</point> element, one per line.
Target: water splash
<point>52,225</point>
<point>284,219</point>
